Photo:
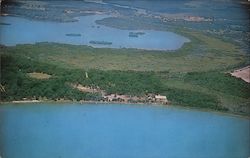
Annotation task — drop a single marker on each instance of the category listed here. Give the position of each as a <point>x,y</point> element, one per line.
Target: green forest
<point>18,84</point>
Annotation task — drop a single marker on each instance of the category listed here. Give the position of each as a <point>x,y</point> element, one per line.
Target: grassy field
<point>195,75</point>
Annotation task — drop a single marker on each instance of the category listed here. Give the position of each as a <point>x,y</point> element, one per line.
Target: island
<point>3,23</point>
<point>100,42</point>
<point>73,34</point>
<point>136,34</point>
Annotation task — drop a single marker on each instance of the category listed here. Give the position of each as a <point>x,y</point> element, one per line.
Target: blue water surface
<point>25,31</point>
<point>119,131</point>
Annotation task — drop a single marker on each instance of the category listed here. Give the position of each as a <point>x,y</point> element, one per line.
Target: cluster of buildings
<point>150,98</point>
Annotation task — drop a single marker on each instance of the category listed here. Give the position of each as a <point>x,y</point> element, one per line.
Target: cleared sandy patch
<point>85,88</point>
<point>243,73</point>
<point>39,75</point>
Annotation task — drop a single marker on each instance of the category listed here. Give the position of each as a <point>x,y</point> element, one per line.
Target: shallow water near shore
<point>25,31</point>
<point>124,131</point>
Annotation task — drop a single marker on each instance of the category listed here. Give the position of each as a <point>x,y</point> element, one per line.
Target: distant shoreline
<point>227,113</point>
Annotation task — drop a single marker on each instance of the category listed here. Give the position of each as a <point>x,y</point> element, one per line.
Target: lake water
<point>23,31</point>
<point>119,131</point>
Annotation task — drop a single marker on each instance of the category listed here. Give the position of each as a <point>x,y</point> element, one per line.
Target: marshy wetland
<point>68,54</point>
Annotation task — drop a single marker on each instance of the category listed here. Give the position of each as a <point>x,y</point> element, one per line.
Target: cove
<point>25,31</point>
<point>118,130</point>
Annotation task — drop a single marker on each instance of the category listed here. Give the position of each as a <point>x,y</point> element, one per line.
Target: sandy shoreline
<point>79,102</point>
<point>25,101</point>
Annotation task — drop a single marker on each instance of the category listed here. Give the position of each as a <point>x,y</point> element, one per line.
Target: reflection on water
<point>119,131</point>
<point>22,31</point>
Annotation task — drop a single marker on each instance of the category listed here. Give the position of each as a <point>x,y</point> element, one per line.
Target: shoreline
<point>225,113</point>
